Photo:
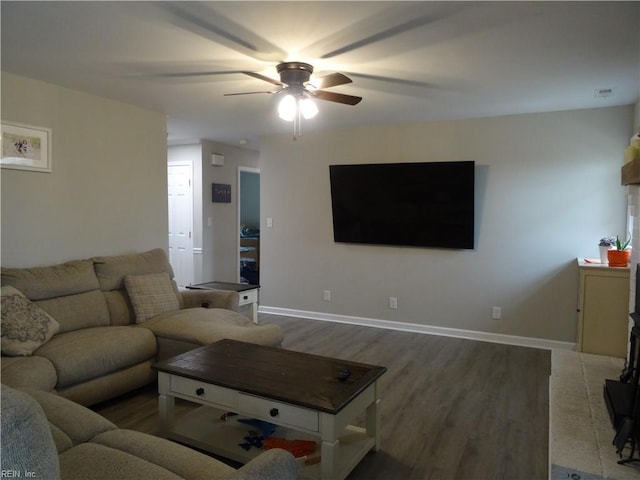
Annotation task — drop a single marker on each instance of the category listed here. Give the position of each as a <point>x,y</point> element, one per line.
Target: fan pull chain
<point>297,121</point>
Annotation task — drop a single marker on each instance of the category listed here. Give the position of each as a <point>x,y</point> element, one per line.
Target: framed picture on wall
<point>220,193</point>
<point>25,147</point>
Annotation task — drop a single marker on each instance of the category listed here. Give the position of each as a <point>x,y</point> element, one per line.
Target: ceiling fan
<point>294,80</point>
<point>299,91</point>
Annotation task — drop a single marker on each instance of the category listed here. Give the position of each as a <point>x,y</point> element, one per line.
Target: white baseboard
<point>428,329</point>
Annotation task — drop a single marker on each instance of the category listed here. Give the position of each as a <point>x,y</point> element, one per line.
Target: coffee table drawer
<point>280,413</point>
<point>204,391</point>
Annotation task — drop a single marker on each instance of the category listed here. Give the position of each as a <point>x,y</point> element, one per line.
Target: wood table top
<point>235,287</point>
<point>293,377</point>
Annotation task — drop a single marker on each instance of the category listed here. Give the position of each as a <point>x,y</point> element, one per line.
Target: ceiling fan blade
<point>405,18</point>
<point>262,77</point>
<point>245,93</point>
<point>399,81</point>
<point>379,36</point>
<point>202,18</point>
<point>336,97</point>
<point>196,74</point>
<point>332,80</point>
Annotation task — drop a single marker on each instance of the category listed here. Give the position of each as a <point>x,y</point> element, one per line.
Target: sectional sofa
<point>47,437</point>
<point>90,329</point>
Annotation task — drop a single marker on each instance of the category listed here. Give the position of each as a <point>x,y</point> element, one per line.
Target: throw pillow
<point>7,290</point>
<point>151,294</point>
<point>25,326</point>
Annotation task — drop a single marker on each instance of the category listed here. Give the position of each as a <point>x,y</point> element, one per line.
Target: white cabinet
<point>603,310</point>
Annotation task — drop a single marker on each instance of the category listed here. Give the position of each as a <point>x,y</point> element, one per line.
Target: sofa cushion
<point>91,461</point>
<point>120,308</point>
<point>40,283</point>
<point>112,270</point>
<point>89,353</point>
<point>151,294</point>
<point>27,445</point>
<point>82,310</point>
<point>112,385</point>
<point>33,372</point>
<point>25,326</point>
<point>69,292</point>
<point>182,461</point>
<point>202,326</point>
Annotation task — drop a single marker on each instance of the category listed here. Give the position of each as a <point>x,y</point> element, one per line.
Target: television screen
<point>412,204</point>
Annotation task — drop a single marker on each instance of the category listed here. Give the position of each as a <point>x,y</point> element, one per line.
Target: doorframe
<point>239,189</point>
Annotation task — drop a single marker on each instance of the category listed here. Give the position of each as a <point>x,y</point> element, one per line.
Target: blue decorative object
<point>252,440</point>
<point>265,428</point>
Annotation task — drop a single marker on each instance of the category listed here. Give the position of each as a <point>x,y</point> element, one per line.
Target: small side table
<point>247,294</point>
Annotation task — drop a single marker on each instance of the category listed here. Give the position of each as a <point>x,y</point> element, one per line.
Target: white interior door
<point>181,222</point>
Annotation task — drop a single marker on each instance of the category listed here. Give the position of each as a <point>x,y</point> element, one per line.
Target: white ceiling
<point>411,61</point>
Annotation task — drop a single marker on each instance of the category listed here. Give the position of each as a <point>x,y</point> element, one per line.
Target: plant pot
<point>618,258</point>
<point>603,254</point>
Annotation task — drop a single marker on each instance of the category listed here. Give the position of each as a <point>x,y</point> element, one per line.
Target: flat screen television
<point>411,204</point>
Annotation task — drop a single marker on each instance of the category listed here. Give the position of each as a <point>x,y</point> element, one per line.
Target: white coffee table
<point>300,393</point>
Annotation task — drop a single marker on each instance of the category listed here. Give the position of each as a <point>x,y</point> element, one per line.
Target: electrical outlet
<point>496,313</point>
<point>393,303</point>
<point>327,295</point>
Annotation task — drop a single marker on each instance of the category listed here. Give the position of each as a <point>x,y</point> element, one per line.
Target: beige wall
<point>217,243</point>
<point>108,190</point>
<point>547,188</point>
<point>224,237</point>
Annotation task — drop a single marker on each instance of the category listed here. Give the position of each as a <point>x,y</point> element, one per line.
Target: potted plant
<point>619,257</point>
<point>606,244</point>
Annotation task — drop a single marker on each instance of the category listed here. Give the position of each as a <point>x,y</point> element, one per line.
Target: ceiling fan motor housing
<point>296,73</point>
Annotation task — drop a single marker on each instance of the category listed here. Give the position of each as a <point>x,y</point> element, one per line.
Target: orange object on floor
<point>299,448</point>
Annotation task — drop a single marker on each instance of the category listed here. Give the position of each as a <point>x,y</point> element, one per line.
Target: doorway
<point>249,225</point>
<point>180,181</point>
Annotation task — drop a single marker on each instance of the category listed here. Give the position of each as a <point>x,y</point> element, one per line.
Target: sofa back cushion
<point>82,310</point>
<point>111,272</point>
<point>69,292</point>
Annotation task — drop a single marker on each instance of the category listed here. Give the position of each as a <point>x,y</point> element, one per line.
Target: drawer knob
<point>274,412</point>
<point>200,391</point>
<point>246,297</point>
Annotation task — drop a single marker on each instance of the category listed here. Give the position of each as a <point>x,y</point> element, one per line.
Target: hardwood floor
<point>451,408</point>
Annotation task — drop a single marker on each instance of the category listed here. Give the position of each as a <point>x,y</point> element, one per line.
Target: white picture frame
<point>25,147</point>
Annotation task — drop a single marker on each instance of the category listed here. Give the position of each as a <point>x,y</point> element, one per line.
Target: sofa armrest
<point>27,444</point>
<point>28,372</point>
<point>74,424</point>
<point>274,464</point>
<point>210,299</point>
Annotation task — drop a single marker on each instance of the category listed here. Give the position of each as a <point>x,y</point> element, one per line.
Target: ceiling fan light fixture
<point>287,108</point>
<point>290,106</point>
<point>308,108</point>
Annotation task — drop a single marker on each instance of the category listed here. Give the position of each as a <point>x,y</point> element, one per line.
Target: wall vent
<point>603,92</point>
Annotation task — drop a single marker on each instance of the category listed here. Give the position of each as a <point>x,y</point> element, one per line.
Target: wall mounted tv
<point>411,204</point>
